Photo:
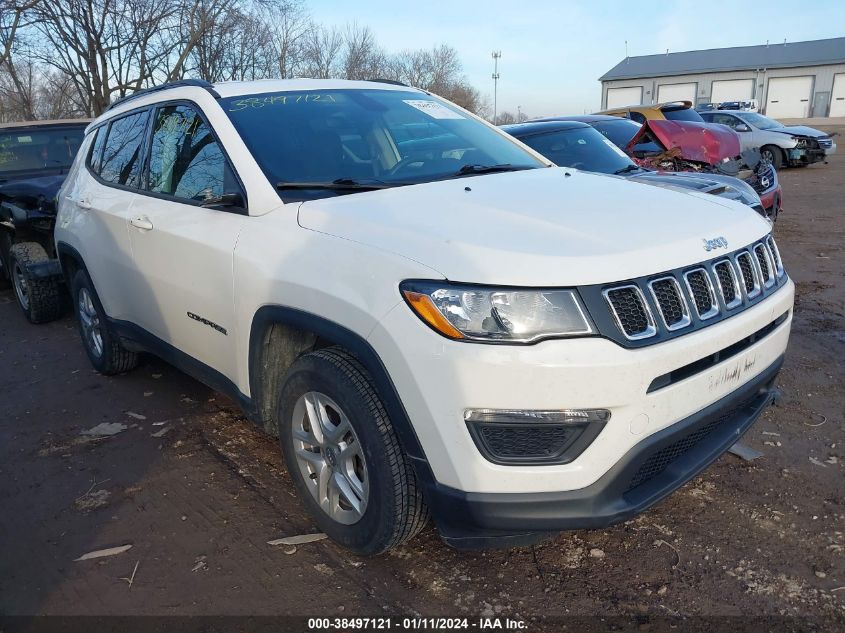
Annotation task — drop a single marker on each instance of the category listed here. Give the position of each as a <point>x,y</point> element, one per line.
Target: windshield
<point>620,131</point>
<point>34,149</point>
<point>682,114</point>
<point>581,148</point>
<point>758,120</point>
<point>355,137</point>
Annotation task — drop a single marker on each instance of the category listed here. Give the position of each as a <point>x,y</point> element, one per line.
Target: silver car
<point>782,145</point>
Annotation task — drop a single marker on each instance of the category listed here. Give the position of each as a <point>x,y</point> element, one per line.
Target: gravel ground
<point>198,491</point>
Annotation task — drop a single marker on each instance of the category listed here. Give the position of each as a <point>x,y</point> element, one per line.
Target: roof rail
<point>197,83</point>
<point>392,82</point>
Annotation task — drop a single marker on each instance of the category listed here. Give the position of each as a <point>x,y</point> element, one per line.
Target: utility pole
<point>496,56</point>
<point>519,114</point>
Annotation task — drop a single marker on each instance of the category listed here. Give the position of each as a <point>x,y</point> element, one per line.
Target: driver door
<point>183,250</point>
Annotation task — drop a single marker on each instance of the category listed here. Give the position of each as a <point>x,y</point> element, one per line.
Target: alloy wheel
<point>330,457</point>
<point>90,320</point>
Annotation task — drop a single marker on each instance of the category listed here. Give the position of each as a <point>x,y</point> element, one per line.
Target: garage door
<point>676,92</point>
<point>837,99</point>
<point>732,90</point>
<point>618,97</point>
<point>789,97</point>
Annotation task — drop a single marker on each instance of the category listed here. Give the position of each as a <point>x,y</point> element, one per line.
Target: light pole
<point>519,114</point>
<point>496,56</point>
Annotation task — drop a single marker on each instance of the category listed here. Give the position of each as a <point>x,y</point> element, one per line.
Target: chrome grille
<point>701,291</point>
<point>631,312</point>
<point>728,283</point>
<point>649,309</point>
<point>775,253</point>
<point>767,274</point>
<point>748,273</point>
<point>670,303</point>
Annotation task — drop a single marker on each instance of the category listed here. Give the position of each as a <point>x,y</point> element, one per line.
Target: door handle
<point>82,203</point>
<point>142,222</point>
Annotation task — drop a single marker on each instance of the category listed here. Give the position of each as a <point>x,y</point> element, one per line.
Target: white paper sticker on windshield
<point>24,139</point>
<point>613,146</point>
<point>433,109</point>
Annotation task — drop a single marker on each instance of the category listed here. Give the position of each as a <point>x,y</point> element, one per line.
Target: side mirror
<point>230,200</point>
<point>742,127</point>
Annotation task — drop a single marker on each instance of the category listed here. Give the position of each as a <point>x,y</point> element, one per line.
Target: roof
<point>536,127</point>
<point>789,55</point>
<point>20,124</point>
<point>583,118</point>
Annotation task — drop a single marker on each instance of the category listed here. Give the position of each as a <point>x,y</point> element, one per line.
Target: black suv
<point>34,160</point>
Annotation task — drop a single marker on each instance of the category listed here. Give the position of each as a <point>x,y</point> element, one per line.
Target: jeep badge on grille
<point>716,242</point>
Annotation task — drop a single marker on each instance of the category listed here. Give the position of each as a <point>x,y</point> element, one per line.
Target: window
<point>582,148</point>
<point>619,131</point>
<point>39,148</point>
<point>96,159</point>
<point>681,114</point>
<point>637,117</point>
<point>186,160</point>
<point>724,119</point>
<point>121,163</point>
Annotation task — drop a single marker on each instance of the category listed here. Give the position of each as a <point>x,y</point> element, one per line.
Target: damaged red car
<point>687,146</point>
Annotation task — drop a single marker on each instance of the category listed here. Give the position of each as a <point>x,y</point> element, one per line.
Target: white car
<point>433,318</point>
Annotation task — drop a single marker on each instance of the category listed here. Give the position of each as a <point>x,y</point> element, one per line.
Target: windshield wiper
<point>627,169</point>
<point>341,184</point>
<point>470,169</point>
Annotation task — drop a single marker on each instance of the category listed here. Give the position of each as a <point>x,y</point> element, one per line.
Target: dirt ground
<point>198,491</point>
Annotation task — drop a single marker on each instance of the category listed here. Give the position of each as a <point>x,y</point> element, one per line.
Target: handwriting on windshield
<point>272,100</point>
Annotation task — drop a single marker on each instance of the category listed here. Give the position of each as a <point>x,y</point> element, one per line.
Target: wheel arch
<point>280,334</point>
<point>70,260</point>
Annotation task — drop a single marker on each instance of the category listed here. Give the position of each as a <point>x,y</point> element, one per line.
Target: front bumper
<point>799,157</point>
<point>772,201</point>
<point>647,473</point>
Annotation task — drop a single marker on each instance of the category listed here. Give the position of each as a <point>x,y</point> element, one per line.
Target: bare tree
<point>288,26</point>
<point>363,58</point>
<point>322,49</point>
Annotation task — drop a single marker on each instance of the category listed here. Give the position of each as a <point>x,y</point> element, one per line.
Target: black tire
<point>774,154</point>
<point>395,511</point>
<point>5,245</point>
<point>110,357</point>
<point>39,299</point>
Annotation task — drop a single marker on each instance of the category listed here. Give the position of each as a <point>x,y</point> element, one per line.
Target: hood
<point>38,192</point>
<point>799,130</point>
<point>541,227</point>
<point>701,142</point>
<point>715,184</point>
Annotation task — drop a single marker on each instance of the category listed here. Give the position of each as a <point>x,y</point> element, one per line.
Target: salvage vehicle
<point>34,160</point>
<point>575,144</point>
<point>667,146</point>
<point>671,111</point>
<point>458,329</point>
<point>782,145</point>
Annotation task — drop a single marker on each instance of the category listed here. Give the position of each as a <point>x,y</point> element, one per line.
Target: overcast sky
<point>553,52</point>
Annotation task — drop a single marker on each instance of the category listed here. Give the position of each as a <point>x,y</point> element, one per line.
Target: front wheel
<point>343,454</point>
<point>773,155</point>
<point>103,347</point>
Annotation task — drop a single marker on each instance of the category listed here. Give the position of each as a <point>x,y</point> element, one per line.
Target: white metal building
<point>791,80</point>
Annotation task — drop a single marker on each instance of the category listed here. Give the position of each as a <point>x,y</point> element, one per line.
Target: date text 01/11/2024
<point>416,624</point>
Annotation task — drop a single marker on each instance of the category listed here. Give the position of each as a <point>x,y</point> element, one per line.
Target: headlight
<point>800,143</point>
<point>503,315</point>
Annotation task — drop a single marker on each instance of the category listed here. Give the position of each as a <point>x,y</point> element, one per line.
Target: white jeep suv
<point>434,319</point>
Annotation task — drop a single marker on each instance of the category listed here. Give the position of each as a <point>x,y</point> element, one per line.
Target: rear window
<point>682,114</point>
<point>32,149</point>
